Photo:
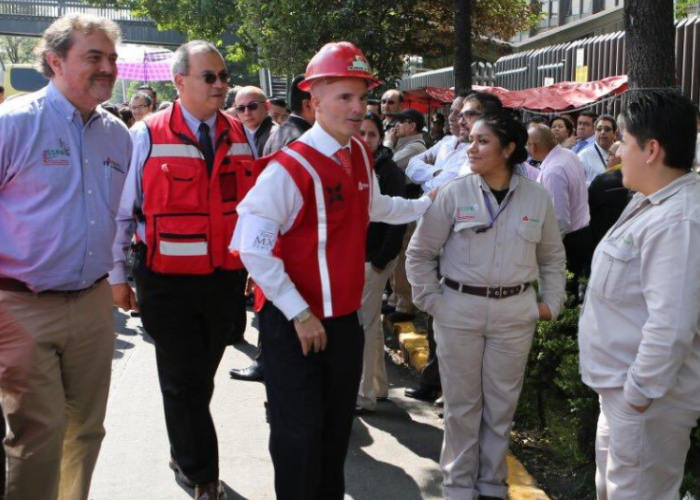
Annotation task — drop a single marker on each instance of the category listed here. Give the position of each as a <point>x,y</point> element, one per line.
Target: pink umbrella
<point>143,63</point>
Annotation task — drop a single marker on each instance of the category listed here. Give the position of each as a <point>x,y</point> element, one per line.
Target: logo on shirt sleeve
<point>56,156</point>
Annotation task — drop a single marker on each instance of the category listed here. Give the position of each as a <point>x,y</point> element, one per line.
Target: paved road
<point>393,453</point>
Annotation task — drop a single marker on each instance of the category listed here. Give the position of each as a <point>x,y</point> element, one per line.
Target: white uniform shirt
<point>523,243</point>
<point>448,156</point>
<point>272,206</point>
<point>593,160</point>
<point>640,324</point>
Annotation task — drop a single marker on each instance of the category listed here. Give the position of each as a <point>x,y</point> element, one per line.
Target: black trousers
<point>239,308</point>
<point>311,401</point>
<point>430,376</point>
<point>579,253</point>
<point>189,318</point>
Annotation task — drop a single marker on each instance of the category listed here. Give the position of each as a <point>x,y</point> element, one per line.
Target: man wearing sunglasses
<point>191,166</point>
<point>594,157</point>
<point>390,106</point>
<point>252,109</point>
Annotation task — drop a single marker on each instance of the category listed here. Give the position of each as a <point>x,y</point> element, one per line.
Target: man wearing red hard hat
<point>312,204</point>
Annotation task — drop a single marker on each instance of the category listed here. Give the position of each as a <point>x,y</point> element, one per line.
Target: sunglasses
<point>251,106</point>
<point>388,101</point>
<point>210,78</point>
<point>604,129</point>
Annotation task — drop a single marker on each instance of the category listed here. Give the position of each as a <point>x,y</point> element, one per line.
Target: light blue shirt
<point>581,145</point>
<point>132,198</point>
<point>60,184</point>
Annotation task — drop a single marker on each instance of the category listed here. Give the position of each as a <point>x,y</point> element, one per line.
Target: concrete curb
<point>414,348</point>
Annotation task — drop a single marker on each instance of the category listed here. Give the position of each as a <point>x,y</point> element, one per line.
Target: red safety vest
<point>190,216</point>
<point>323,252</point>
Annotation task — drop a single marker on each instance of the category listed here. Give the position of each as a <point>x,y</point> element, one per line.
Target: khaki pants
<point>401,297</point>
<point>482,346</point>
<point>374,383</point>
<point>641,456</point>
<point>55,429</point>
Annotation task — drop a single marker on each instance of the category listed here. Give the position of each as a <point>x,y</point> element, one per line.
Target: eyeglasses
<point>139,106</point>
<point>210,78</point>
<point>252,106</point>
<point>388,101</point>
<point>604,129</point>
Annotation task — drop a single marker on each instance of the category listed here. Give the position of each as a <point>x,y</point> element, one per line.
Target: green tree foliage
<point>17,50</point>
<point>286,33</point>
<point>683,7</point>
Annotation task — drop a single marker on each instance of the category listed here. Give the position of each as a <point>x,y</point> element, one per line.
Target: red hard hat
<point>339,60</point>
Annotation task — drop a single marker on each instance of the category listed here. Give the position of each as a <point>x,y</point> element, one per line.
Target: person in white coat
<point>492,233</point>
<point>639,332</point>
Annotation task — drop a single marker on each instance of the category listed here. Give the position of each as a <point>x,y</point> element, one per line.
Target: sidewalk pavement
<point>393,453</point>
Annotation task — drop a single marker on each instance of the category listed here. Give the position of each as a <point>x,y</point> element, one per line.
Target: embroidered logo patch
<point>334,194</point>
<point>467,212</point>
<point>57,156</point>
<point>530,219</point>
<point>362,185</point>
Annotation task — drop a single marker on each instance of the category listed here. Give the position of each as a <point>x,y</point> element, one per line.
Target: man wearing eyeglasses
<point>594,157</point>
<point>390,106</point>
<point>191,166</point>
<point>252,109</point>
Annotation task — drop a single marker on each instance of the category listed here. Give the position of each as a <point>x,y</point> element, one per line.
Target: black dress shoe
<point>209,491</point>
<point>180,476</point>
<point>254,373</point>
<point>398,317</point>
<point>422,393</point>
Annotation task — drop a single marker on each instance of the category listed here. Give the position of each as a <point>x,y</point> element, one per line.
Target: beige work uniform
<point>483,343</point>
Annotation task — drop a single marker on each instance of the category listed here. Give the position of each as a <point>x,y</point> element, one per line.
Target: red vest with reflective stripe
<point>323,252</point>
<point>190,216</point>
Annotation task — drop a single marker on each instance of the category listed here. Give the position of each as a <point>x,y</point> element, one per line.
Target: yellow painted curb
<point>414,344</point>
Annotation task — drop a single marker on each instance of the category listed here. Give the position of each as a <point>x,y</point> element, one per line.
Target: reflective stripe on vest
<point>176,150</point>
<point>322,232</point>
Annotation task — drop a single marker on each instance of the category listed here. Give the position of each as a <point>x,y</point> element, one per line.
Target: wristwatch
<point>303,315</point>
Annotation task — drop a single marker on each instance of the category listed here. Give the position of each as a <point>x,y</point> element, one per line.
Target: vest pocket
<point>182,245</point>
<point>183,186</point>
<point>229,186</point>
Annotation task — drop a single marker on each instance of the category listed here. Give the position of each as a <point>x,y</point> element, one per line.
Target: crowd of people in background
<point>333,210</point>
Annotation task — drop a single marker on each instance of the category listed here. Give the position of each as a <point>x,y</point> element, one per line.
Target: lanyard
<point>605,165</point>
<point>503,206</point>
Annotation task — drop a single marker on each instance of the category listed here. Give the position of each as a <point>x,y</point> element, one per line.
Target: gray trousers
<point>483,346</point>
<point>641,456</point>
<point>374,383</point>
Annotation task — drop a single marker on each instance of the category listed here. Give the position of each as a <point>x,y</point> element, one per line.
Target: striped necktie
<point>343,155</point>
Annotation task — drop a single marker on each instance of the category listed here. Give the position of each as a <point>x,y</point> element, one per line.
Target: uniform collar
<point>514,182</point>
<point>193,123</point>
<point>65,108</point>
<point>323,142</point>
<point>664,193</point>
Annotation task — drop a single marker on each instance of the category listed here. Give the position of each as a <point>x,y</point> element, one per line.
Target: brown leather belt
<point>13,285</point>
<point>498,292</point>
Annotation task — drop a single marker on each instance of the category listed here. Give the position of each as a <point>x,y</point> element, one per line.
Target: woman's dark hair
<point>378,122</point>
<point>126,115</point>
<point>508,130</point>
<point>666,116</point>
<point>146,98</point>
<point>490,104</point>
<point>570,127</point>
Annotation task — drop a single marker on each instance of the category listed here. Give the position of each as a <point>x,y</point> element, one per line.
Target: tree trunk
<point>463,45</point>
<point>650,32</point>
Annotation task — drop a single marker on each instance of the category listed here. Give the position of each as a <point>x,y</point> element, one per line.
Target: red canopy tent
<point>558,97</point>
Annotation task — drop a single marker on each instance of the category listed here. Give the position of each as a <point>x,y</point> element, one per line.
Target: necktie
<point>205,144</point>
<point>343,155</point>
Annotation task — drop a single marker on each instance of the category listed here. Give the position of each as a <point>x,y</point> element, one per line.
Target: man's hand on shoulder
<point>124,297</point>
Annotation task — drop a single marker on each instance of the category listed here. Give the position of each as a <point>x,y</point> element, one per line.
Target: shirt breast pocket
<point>470,244</point>
<point>611,269</point>
<point>529,236</point>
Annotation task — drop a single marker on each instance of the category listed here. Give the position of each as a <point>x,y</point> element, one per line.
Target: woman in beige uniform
<point>493,233</point>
